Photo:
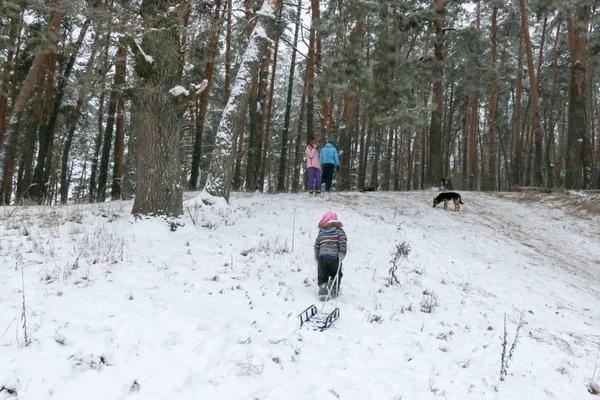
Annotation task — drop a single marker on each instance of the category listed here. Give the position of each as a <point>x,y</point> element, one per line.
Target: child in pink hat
<point>331,246</point>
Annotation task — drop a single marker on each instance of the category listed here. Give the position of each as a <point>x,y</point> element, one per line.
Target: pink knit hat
<point>329,216</point>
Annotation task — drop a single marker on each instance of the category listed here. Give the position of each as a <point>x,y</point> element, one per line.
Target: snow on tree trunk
<point>218,182</point>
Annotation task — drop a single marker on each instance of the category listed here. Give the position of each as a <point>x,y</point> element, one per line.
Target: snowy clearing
<point>118,308</point>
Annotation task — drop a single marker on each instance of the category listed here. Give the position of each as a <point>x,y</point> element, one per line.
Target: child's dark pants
<point>327,269</point>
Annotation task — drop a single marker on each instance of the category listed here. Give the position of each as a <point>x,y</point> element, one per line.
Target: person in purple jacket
<point>313,167</point>
<point>331,246</point>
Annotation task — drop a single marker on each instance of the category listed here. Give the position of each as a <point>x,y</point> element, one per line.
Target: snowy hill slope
<point>118,308</point>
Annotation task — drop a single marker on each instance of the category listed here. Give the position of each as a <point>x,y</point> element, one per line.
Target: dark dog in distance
<point>446,197</point>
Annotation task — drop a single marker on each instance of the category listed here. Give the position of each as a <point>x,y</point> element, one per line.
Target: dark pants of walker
<point>327,269</point>
<point>328,175</point>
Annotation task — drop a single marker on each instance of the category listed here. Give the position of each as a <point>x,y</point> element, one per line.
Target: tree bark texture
<point>157,112</point>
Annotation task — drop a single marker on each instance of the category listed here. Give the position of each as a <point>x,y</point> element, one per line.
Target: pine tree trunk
<point>310,67</point>
<point>48,46</point>
<point>350,102</point>
<point>288,107</point>
<point>208,74</point>
<point>316,25</point>
<point>375,167</point>
<point>450,135</point>
<point>364,152</point>
<point>218,182</point>
<point>240,126</point>
<point>297,152</point>
<point>397,161</point>
<point>386,165</point>
<point>63,79</point>
<point>107,144</point>
<point>28,149</point>
<point>43,164</point>
<point>434,171</point>
<point>9,165</point>
<point>517,148</point>
<point>535,120</point>
<point>550,159</point>
<point>13,37</point>
<point>229,12</point>
<point>578,166</point>
<point>492,181</point>
<point>120,76</point>
<point>64,181</point>
<point>412,153</point>
<point>264,166</point>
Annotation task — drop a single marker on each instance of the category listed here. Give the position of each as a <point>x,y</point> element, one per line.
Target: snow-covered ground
<point>118,308</point>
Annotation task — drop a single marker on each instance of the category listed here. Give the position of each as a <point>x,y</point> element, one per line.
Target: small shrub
<point>506,357</point>
<point>399,254</point>
<point>375,318</point>
<point>429,302</point>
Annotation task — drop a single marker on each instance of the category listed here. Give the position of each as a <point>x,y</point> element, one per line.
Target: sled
<point>318,321</point>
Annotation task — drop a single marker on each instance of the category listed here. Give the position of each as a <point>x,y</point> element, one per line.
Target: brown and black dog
<point>446,197</point>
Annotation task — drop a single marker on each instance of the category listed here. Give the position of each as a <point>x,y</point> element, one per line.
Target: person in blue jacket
<point>329,160</point>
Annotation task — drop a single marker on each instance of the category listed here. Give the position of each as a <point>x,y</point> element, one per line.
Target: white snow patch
<point>147,57</point>
<point>178,91</point>
<point>117,307</point>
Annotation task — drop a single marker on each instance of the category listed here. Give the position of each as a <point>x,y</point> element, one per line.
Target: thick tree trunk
<point>157,112</point>
<point>218,182</point>
<point>288,107</point>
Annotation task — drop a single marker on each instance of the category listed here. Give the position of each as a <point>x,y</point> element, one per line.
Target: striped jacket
<point>331,241</point>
